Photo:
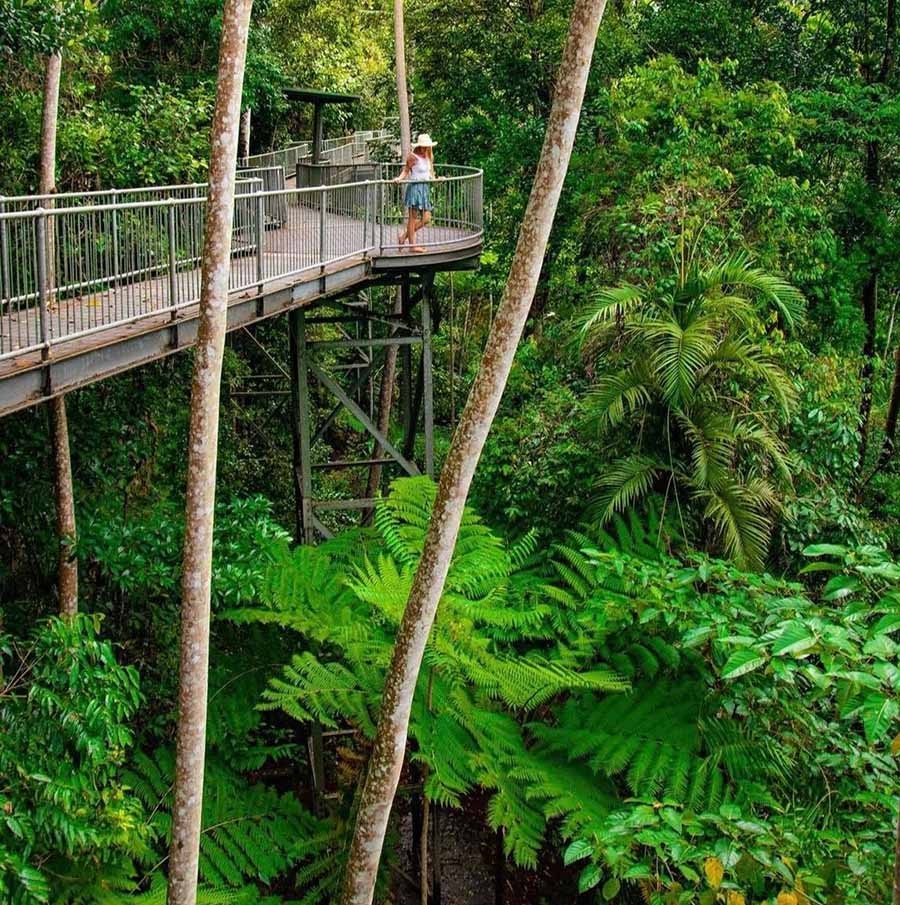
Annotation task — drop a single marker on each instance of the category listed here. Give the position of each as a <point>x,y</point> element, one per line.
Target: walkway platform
<point>124,284</point>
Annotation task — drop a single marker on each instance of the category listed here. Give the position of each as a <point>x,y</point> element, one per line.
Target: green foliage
<point>763,742</point>
<point>69,828</point>
<point>683,359</point>
<point>345,599</point>
<point>248,832</point>
<point>140,557</point>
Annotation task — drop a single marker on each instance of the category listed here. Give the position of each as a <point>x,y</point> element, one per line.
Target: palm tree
<point>684,366</point>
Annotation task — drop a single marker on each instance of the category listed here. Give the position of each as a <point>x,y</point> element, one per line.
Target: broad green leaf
<point>825,550</point>
<point>840,586</point>
<point>886,624</point>
<point>577,851</point>
<point>589,878</point>
<point>795,638</point>
<point>878,713</point>
<point>611,888</point>
<point>741,662</point>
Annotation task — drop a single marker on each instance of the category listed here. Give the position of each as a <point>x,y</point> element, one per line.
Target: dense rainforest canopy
<point>664,667</point>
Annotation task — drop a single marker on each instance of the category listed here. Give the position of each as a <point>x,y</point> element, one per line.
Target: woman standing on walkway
<point>418,171</point>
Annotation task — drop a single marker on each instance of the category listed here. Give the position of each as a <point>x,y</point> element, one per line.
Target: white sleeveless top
<point>421,170</point>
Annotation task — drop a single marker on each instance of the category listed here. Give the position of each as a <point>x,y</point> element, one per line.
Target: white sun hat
<point>424,141</point>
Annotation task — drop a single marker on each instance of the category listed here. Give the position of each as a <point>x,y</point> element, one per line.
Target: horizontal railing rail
<point>67,272</point>
<point>246,184</point>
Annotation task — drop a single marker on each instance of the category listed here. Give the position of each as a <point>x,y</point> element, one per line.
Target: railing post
<point>41,242</point>
<point>323,199</point>
<point>5,287</point>
<point>260,234</point>
<point>381,217</point>
<point>366,221</point>
<point>173,274</point>
<point>115,250</point>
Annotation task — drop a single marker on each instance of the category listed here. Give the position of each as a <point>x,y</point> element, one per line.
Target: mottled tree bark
<point>64,493</point>
<point>869,300</point>
<point>389,748</point>
<point>65,507</point>
<point>896,900</point>
<point>889,444</point>
<point>52,72</point>
<point>244,143</point>
<point>389,374</point>
<point>202,453</point>
<point>402,90</point>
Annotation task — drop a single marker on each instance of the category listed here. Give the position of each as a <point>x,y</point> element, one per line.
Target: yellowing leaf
<point>735,898</point>
<point>715,872</point>
<point>786,898</point>
<point>895,745</point>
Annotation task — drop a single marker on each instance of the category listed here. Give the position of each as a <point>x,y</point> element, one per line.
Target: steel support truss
<point>345,370</point>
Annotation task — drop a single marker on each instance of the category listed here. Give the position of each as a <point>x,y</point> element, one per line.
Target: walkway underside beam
<point>29,380</point>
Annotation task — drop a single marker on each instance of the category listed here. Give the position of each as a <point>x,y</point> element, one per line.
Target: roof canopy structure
<point>318,99</point>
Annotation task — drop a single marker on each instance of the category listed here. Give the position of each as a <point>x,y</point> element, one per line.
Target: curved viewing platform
<point>96,269</point>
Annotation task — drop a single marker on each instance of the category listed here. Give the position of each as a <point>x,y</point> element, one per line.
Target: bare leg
<point>422,221</point>
<point>412,224</point>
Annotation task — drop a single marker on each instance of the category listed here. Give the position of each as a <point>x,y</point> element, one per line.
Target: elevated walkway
<point>103,282</point>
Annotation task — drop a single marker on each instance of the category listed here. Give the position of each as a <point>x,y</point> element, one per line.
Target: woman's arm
<point>407,168</point>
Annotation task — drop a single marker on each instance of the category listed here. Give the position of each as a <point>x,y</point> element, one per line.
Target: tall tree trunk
<point>869,313</point>
<point>889,443</point>
<point>65,507</point>
<point>388,752</point>
<point>64,493</point>
<point>244,142</point>
<point>47,176</point>
<point>389,374</point>
<point>402,90</point>
<point>202,452</point>
<point>872,172</point>
<point>896,897</point>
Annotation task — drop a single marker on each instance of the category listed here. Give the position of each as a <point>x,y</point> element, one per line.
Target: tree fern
<point>248,831</point>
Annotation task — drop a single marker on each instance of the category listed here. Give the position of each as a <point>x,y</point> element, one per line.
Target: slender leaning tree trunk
<point>67,568</point>
<point>389,374</point>
<point>896,898</point>
<point>468,441</point>
<point>244,143</point>
<point>400,67</point>
<point>202,451</point>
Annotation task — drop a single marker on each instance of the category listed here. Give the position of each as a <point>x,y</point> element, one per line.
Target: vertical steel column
<point>406,400</point>
<point>427,383</point>
<point>300,427</point>
<point>317,134</point>
<point>303,507</point>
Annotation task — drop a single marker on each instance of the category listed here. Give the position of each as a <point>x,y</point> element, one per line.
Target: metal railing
<point>343,149</point>
<point>67,272</point>
<point>247,183</point>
